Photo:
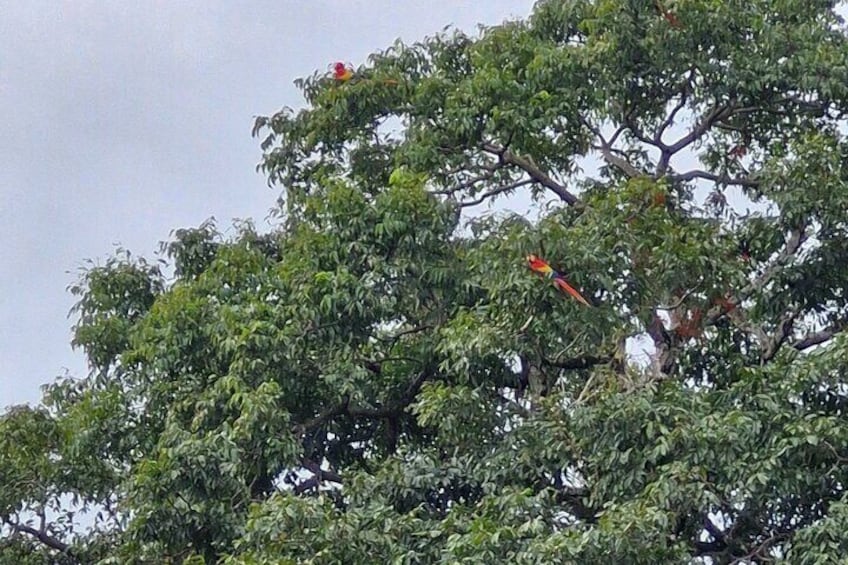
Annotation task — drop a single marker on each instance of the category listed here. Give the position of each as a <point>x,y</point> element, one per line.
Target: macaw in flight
<point>539,265</point>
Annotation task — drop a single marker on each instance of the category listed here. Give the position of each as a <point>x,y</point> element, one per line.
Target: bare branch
<point>574,498</point>
<point>728,127</point>
<point>489,174</point>
<point>622,164</point>
<point>387,411</point>
<point>759,552</point>
<point>319,475</point>
<point>720,179</point>
<point>42,536</point>
<point>374,413</point>
<point>537,174</point>
<point>325,416</point>
<point>714,531</point>
<point>781,334</point>
<point>402,333</point>
<point>605,148</point>
<point>614,136</point>
<point>636,132</point>
<point>717,113</point>
<point>668,121</point>
<point>819,337</point>
<point>704,548</point>
<point>495,192</point>
<point>515,406</point>
<point>308,484</point>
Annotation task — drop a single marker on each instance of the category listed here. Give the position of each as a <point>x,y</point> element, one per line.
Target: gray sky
<point>121,121</point>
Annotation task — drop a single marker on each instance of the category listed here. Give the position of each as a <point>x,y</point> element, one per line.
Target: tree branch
<point>583,362</point>
<point>679,301</point>
<point>781,333</point>
<point>537,174</point>
<point>636,132</point>
<point>703,548</point>
<point>395,408</point>
<point>622,164</point>
<point>344,407</point>
<point>489,174</point>
<point>573,498</point>
<point>319,475</point>
<point>714,530</point>
<point>717,113</point>
<point>720,179</point>
<point>495,192</point>
<point>326,415</point>
<point>400,334</point>
<point>685,89</point>
<point>515,406</point>
<point>819,337</point>
<point>796,238</point>
<point>755,554</point>
<point>42,536</point>
<point>605,148</point>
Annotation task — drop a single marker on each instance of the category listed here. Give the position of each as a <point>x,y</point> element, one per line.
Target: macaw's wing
<point>564,286</point>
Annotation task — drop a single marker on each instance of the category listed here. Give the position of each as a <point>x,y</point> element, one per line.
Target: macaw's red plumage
<point>540,266</point>
<point>342,72</point>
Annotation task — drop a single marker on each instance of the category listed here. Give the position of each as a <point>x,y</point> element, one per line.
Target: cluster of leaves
<point>375,383</point>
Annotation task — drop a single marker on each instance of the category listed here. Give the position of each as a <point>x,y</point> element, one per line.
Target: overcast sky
<point>121,121</point>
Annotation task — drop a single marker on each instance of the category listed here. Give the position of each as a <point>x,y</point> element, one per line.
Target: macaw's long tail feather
<point>560,282</point>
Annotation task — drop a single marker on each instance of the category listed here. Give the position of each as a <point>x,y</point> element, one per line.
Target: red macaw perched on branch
<point>539,265</point>
<point>342,72</point>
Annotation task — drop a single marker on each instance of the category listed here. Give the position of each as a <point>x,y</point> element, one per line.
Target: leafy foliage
<point>380,381</point>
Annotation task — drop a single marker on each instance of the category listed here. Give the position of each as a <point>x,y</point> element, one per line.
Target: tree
<point>383,380</point>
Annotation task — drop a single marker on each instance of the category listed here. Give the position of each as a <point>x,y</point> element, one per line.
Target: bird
<point>540,266</point>
<point>342,72</point>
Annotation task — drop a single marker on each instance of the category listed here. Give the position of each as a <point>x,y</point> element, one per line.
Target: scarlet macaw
<point>539,265</point>
<point>342,72</point>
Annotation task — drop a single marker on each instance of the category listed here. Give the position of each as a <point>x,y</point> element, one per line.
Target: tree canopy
<point>382,379</point>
